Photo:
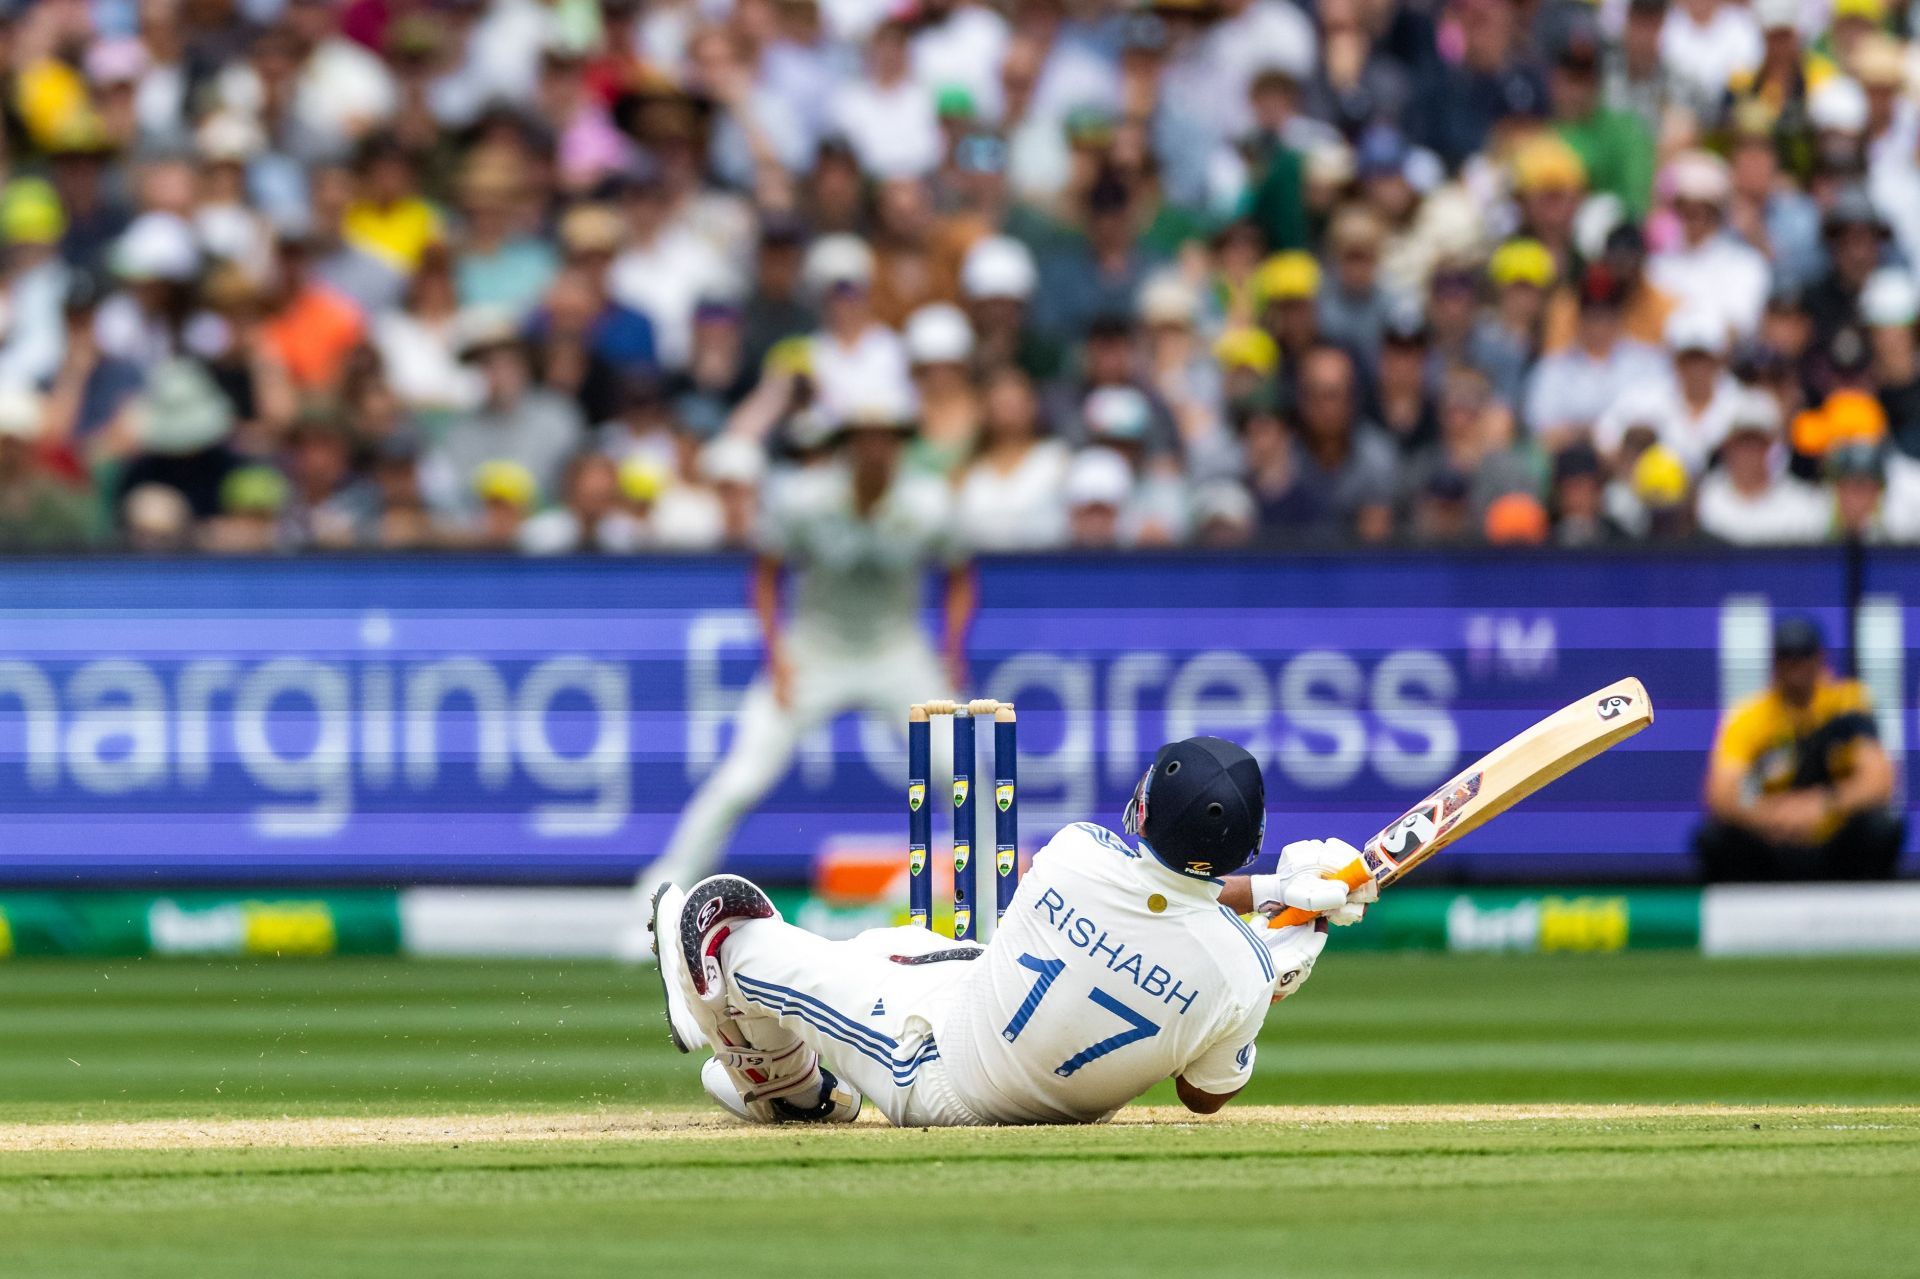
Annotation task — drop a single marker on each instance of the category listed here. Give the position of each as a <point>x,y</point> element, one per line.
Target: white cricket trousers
<point>853,1002</point>
<point>829,679</point>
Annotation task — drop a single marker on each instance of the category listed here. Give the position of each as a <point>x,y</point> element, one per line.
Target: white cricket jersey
<point>1108,974</point>
<point>861,580</point>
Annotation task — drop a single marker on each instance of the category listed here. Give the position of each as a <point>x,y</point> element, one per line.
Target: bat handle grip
<point>1354,874</point>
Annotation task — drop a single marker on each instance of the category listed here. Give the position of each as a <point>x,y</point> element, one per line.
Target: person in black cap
<point>1855,236</point>
<point>1122,960</point>
<point>1578,499</point>
<point>1799,786</point>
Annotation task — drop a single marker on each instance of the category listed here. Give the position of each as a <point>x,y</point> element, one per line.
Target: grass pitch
<point>365,1118</point>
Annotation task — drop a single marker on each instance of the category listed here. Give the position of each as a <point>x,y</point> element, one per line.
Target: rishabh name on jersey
<point>1108,974</point>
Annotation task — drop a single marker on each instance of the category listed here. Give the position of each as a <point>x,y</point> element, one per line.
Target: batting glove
<point>1304,879</point>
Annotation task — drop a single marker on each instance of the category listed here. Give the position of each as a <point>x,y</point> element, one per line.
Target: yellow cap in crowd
<point>1546,163</point>
<point>1245,348</point>
<point>1286,277</point>
<point>1521,261</point>
<point>1660,478</point>
<point>506,482</point>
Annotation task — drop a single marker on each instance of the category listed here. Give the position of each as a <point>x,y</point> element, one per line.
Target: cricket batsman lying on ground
<point>1120,963</point>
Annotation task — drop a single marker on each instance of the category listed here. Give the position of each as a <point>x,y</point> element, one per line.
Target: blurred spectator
<point>1635,77</point>
<point>1346,467</point>
<point>1705,44</point>
<point>1768,211</point>
<point>1646,310</point>
<point>1099,494</point>
<point>1709,270</point>
<point>1569,390</point>
<point>939,343</point>
<point>1456,104</point>
<point>180,430</point>
<point>1799,786</point>
<point>1475,441</point>
<point>714,230</point>
<point>1616,147</point>
<point>1119,420</point>
<point>733,469</point>
<point>327,505</point>
<point>311,329</point>
<point>1854,237</point>
<point>33,281</point>
<point>1403,399</point>
<point>1503,343</point>
<point>1578,499</point>
<point>1010,496</point>
<point>888,115</point>
<point>517,423</point>
<point>854,356</point>
<point>37,512</point>
<point>1749,499</point>
<point>590,517</point>
<point>1689,412</point>
<point>416,341</point>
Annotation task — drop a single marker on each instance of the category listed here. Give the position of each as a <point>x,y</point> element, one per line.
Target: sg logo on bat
<point>1613,706</point>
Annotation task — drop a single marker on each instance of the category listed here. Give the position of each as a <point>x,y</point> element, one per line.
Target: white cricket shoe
<point>663,925</point>
<point>836,1104</point>
<point>761,1071</point>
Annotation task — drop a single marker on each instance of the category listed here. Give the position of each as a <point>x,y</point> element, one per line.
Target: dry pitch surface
<point>334,1131</point>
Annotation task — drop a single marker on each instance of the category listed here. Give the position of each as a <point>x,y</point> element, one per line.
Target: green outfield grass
<point>1796,1189</point>
<point>129,1039</point>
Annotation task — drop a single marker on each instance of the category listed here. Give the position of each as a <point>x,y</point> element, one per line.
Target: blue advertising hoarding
<point>414,720</point>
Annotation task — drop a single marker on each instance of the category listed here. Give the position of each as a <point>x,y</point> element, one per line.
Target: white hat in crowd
<point>939,333</point>
<point>228,137</point>
<point>839,259</point>
<point>731,459</point>
<point>157,246</point>
<point>1755,410</point>
<point>1839,105</point>
<point>888,402</point>
<point>1167,298</point>
<point>1117,413</point>
<point>1225,502</point>
<point>1098,477</point>
<point>20,409</point>
<point>999,267</point>
<point>1696,331</point>
<point>1890,300</point>
<point>1774,15</point>
<point>1700,176</point>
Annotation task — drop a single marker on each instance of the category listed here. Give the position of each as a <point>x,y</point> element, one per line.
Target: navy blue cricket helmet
<point>1201,809</point>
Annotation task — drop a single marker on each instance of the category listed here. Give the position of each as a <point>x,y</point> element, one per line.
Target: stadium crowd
<point>596,274</point>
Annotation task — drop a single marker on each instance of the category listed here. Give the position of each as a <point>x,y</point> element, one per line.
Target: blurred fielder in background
<point>857,533</point>
<point>1121,962</point>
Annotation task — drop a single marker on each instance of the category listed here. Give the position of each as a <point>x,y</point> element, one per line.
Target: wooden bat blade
<point>1496,782</point>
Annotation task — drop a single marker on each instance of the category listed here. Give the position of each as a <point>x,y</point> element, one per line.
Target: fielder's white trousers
<point>865,1013</point>
<point>829,679</point>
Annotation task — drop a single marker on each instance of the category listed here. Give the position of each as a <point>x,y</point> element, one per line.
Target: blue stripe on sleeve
<point>1259,947</point>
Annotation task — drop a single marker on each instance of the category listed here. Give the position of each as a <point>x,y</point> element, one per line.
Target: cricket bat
<point>1494,783</point>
